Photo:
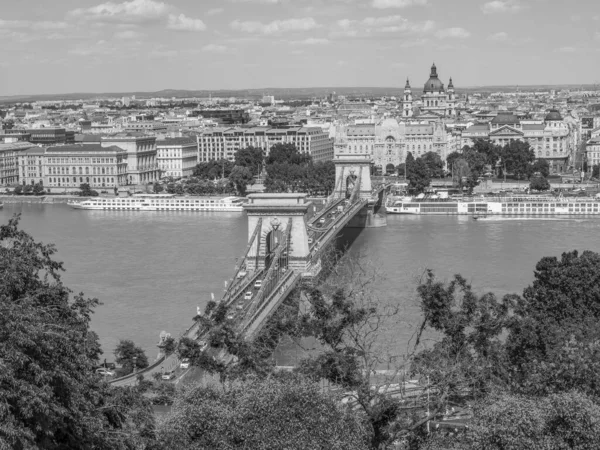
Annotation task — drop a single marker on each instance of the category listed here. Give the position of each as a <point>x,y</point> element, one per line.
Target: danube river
<point>152,269</point>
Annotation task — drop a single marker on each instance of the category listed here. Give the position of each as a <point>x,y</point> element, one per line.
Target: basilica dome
<point>433,84</point>
<point>553,114</point>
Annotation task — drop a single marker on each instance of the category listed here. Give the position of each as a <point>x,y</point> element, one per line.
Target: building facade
<point>551,139</point>
<point>142,167</point>
<point>389,141</point>
<point>592,152</point>
<point>9,161</point>
<point>177,157</point>
<point>222,143</point>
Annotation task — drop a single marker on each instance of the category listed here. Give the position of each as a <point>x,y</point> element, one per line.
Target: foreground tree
<point>50,397</point>
<point>274,413</point>
<point>417,174</point>
<point>434,164</point>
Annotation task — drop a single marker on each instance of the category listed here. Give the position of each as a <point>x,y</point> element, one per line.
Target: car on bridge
<point>168,375</point>
<point>230,316</point>
<point>257,284</point>
<point>322,220</point>
<point>248,295</point>
<point>242,274</point>
<point>240,305</point>
<point>310,240</point>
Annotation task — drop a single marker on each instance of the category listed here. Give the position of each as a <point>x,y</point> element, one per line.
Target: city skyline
<point>148,45</point>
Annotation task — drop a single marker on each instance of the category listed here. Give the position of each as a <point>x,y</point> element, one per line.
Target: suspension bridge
<point>286,240</point>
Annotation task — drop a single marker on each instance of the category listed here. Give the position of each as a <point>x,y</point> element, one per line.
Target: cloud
<point>184,23</point>
<point>501,6</point>
<point>277,26</point>
<point>498,37</point>
<point>454,33</point>
<point>214,11</point>
<point>134,11</point>
<point>387,4</point>
<point>312,41</point>
<point>270,2</point>
<point>597,35</point>
<point>214,48</point>
<point>127,34</point>
<point>567,49</point>
<point>43,25</point>
<point>370,26</point>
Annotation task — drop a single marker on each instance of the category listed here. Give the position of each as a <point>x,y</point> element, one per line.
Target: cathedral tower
<point>407,109</point>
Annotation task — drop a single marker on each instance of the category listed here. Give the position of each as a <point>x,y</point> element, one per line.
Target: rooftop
<point>176,141</point>
<point>87,148</point>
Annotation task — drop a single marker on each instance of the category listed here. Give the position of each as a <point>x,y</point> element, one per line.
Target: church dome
<point>433,84</point>
<point>553,114</point>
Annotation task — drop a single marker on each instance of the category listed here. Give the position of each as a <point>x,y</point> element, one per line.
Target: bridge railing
<point>289,279</point>
<point>273,270</point>
<point>242,262</point>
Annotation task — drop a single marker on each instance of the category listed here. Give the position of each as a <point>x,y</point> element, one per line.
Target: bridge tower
<point>352,169</point>
<point>270,214</point>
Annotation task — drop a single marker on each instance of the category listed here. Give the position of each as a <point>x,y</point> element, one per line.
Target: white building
<point>177,157</point>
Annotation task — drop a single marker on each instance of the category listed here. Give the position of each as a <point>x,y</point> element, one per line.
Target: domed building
<point>436,101</point>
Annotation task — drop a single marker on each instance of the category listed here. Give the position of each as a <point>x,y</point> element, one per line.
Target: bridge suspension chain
<point>274,271</point>
<point>242,262</point>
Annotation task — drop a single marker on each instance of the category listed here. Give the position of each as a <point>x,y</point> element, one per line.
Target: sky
<point>64,46</point>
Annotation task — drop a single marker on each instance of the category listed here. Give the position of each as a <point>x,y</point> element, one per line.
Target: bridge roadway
<point>322,228</point>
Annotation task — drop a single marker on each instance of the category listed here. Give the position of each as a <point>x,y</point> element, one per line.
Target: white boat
<point>498,206</point>
<point>162,202</point>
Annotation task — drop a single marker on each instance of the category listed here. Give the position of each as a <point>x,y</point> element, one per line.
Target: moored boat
<point>162,202</point>
<point>488,206</point>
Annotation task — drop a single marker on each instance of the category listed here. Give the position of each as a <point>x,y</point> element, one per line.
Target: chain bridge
<point>286,239</point>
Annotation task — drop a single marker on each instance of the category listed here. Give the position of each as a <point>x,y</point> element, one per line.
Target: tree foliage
<point>251,158</point>
<point>539,184</point>
<point>50,397</point>
<point>418,175</point>
<point>517,156</point>
<point>130,357</point>
<point>434,164</point>
<point>275,413</point>
<point>240,177</point>
<point>213,170</point>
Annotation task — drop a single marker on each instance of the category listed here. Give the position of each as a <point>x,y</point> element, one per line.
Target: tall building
<point>177,157</point>
<point>222,143</point>
<point>142,167</point>
<point>9,161</point>
<point>436,101</point>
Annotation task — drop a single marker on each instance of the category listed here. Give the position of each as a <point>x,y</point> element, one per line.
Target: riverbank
<point>18,199</point>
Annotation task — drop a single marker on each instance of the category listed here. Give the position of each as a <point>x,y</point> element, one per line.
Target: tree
<point>28,189</point>
<point>38,188</point>
<point>418,175</point>
<point>540,167</point>
<point>285,412</point>
<point>491,151</point>
<point>434,164</point>
<point>157,188</point>
<point>240,177</point>
<point>50,396</point>
<point>596,171</point>
<point>566,421</point>
<point>86,191</point>
<point>18,190</point>
<point>516,158</point>
<point>130,357</point>
<point>287,154</point>
<point>213,170</point>
<point>250,157</point>
<point>401,169</point>
<point>389,169</point>
<point>539,184</point>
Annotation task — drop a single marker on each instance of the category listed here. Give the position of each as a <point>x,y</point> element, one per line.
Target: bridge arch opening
<point>350,183</point>
<point>273,240</point>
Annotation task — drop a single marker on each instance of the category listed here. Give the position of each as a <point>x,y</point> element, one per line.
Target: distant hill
<point>279,93</point>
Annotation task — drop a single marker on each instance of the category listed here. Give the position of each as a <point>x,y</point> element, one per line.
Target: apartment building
<point>177,157</point>
<point>222,143</point>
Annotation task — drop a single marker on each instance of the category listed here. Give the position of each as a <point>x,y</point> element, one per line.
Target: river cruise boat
<point>162,202</point>
<point>490,206</point>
